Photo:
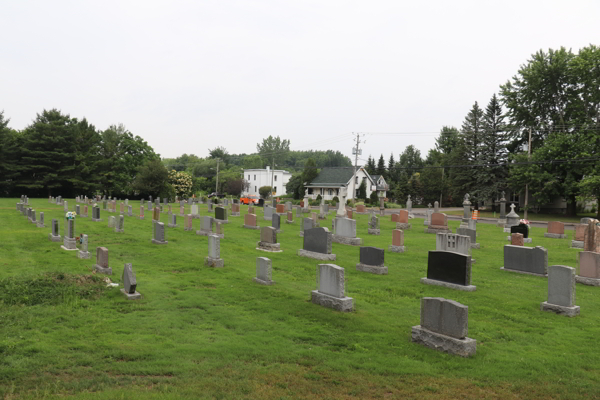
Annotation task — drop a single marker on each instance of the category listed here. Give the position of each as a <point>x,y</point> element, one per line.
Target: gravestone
<point>427,219</point>
<point>150,206</point>
<point>330,291</point>
<point>111,222</point>
<point>187,225</point>
<point>120,228</point>
<point>274,203</point>
<point>181,211</point>
<point>214,253</point>
<point>235,210</point>
<point>556,230</point>
<point>307,223</point>
<point>195,213</point>
<point>345,232</point>
<point>395,217</point>
<point>219,230</point>
<point>436,207</point>
<point>268,213</point>
<point>561,291</point>
<point>172,221</point>
<point>578,237</point>
<point>156,214</point>
<point>317,244</point>
<point>591,237</point>
<point>371,260</point>
<point>250,221</point>
<point>589,268</point>
<point>209,206</point>
<point>159,233</point>
<point>402,223</point>
<point>251,209</point>
<point>444,327</point>
<point>449,269</point>
<point>349,214</point>
<point>206,226</point>
<point>439,224</point>
<point>453,242</point>
<point>512,219</point>
<point>523,229</point>
<point>516,239</point>
<point>122,208</point>
<point>77,209</point>
<point>397,245</point>
<point>502,220</point>
<point>69,241</point>
<point>40,223</point>
<point>360,209</point>
<point>466,209</point>
<point>33,220</point>
<point>298,211</point>
<point>276,222</point>
<point>471,233</point>
<point>141,216</point>
<point>84,253</point>
<point>322,212</point>
<point>129,211</point>
<point>526,260</point>
<point>225,202</point>
<point>290,217</point>
<point>130,283</point>
<point>264,271</point>
<point>66,206</point>
<point>54,236</point>
<point>268,240</point>
<point>373,228</point>
<point>409,207</point>
<point>101,265</point>
<point>280,208</point>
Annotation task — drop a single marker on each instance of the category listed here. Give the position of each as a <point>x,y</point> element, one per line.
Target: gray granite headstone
<point>317,240</point>
<point>268,234</point>
<point>129,281</point>
<point>276,221</point>
<point>561,285</point>
<point>532,260</point>
<point>264,271</point>
<point>445,316</point>
<point>345,227</point>
<point>330,280</point>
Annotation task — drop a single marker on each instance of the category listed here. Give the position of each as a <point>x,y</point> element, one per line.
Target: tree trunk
<point>572,206</point>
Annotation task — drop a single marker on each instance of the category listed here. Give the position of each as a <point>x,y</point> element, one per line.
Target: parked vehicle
<point>215,194</point>
<point>250,198</point>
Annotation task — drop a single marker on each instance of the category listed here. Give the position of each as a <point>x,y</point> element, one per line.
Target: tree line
<point>555,99</point>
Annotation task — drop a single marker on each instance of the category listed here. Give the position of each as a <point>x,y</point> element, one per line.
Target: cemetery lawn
<point>202,333</point>
<point>533,216</point>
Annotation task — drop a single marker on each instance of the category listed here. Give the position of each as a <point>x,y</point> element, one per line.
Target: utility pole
<point>356,152</point>
<point>442,191</point>
<point>217,188</point>
<point>272,173</point>
<point>527,185</point>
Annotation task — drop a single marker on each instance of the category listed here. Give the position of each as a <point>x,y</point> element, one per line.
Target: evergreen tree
<point>391,168</point>
<point>370,165</point>
<point>472,133</point>
<point>381,166</point>
<point>9,155</point>
<point>447,140</point>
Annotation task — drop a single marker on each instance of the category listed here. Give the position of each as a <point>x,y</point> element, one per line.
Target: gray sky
<point>188,76</point>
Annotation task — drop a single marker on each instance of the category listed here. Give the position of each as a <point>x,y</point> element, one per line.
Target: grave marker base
<point>235,214</point>
<point>372,269</point>
<point>316,256</point>
<point>576,244</point>
<point>221,221</point>
<point>501,222</point>
<point>159,242</point>
<point>475,245</point>
<point>140,217</point>
<point>376,232</point>
<point>344,304</point>
<point>117,230</point>
<point>43,226</point>
<point>396,249</point>
<point>555,235</point>
<point>461,347</point>
<point>437,230</point>
<point>469,288</point>
<point>587,281</point>
<point>172,225</point>
<point>560,310</point>
<point>84,255</point>
<point>289,222</point>
<point>524,272</point>
<point>130,296</point>
<point>346,240</point>
<point>525,240</point>
<point>266,283</point>
<point>102,270</point>
<point>214,262</point>
<point>270,247</point>
<point>53,238</point>
<point>250,227</point>
<point>69,244</point>
<point>403,225</point>
<point>96,219</point>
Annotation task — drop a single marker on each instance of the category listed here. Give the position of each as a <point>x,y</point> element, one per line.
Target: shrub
<point>335,199</point>
<point>265,191</point>
<point>374,197</point>
<point>319,198</point>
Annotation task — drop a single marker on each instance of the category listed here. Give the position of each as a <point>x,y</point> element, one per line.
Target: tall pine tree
<point>381,166</point>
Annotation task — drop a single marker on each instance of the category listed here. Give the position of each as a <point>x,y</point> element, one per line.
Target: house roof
<point>332,177</point>
<point>375,177</point>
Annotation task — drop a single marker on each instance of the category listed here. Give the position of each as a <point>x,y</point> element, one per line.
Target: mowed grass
<point>200,332</point>
<point>533,216</point>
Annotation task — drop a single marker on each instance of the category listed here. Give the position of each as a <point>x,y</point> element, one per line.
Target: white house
<point>330,180</point>
<point>264,177</point>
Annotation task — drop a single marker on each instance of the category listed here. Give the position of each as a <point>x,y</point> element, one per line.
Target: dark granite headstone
<point>220,213</point>
<point>521,228</point>
<point>448,266</point>
<point>261,202</point>
<point>276,221</point>
<point>371,256</point>
<point>317,240</point>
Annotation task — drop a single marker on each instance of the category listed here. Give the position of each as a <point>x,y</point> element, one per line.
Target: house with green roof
<point>332,180</point>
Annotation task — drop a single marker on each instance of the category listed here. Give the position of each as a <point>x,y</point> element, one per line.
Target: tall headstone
<point>83,252</point>
<point>77,210</point>
<point>331,289</point>
<point>502,220</point>
<point>69,242</point>
<point>129,211</point>
<point>214,253</point>
<point>409,207</point>
<point>317,244</point>
<point>444,327</point>
<point>436,207</point>
<point>111,222</point>
<point>307,223</point>
<point>235,210</point>
<point>371,260</point>
<point>264,271</point>
<point>130,284</point>
<point>471,233</point>
<point>466,209</point>
<point>195,213</point>
<point>268,213</point>
<point>120,224</point>
<point>512,219</point>
<point>561,291</point>
<point>102,261</point>
<point>221,215</point>
<point>40,223</point>
<point>589,268</point>
<point>54,236</point>
<point>591,237</point>
<point>402,220</point>
<point>373,228</point>
<point>276,222</point>
<point>187,225</point>
<point>141,216</point>
<point>172,221</point>
<point>206,226</point>
<point>159,233</point>
<point>156,214</point>
<point>397,245</point>
<point>427,219</point>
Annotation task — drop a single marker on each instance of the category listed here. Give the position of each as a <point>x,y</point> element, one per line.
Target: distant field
<point>214,333</point>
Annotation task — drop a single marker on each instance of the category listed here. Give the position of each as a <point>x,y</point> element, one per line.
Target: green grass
<point>213,333</point>
<point>532,216</point>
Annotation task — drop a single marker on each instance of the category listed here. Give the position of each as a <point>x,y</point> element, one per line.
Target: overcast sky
<point>188,76</point>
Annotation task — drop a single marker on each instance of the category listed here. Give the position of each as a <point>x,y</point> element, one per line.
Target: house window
<point>322,192</point>
<point>254,177</point>
<point>275,189</point>
<point>248,177</point>
<point>254,188</point>
<point>356,180</point>
<point>275,178</point>
<point>310,191</point>
<point>330,192</point>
